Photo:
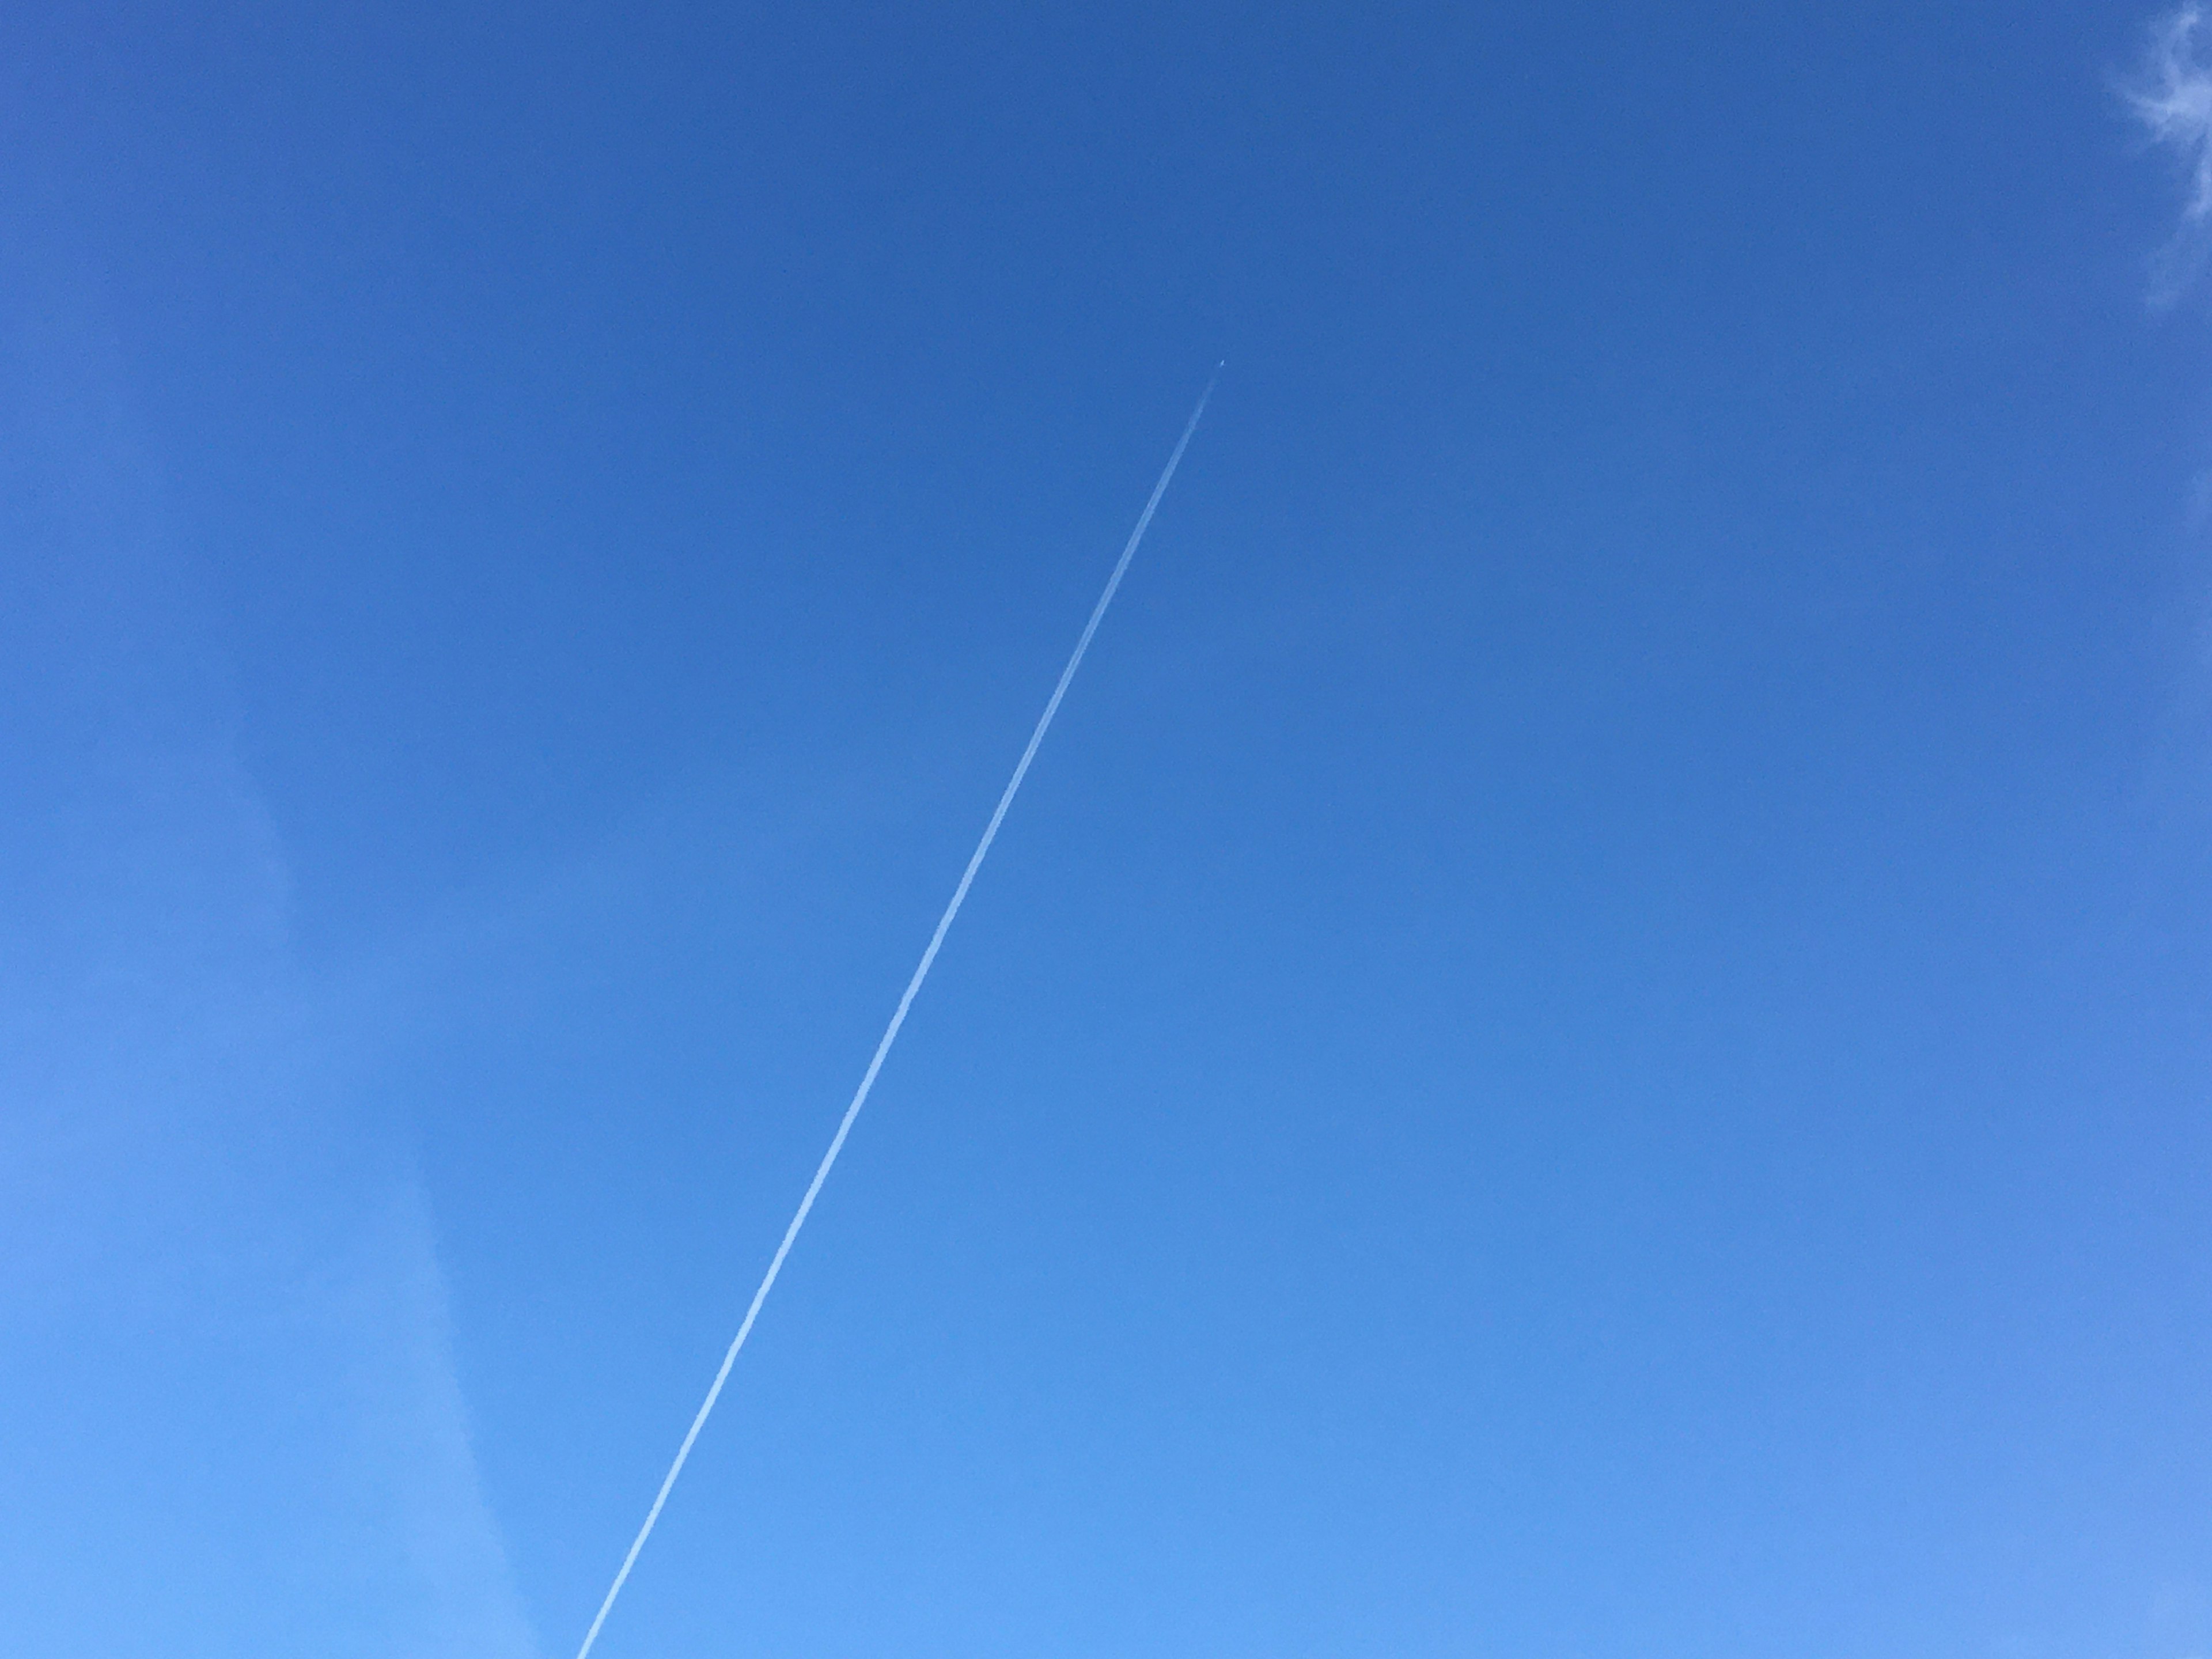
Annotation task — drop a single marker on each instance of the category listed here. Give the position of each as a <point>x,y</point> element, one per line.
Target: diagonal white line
<point>898,1018</point>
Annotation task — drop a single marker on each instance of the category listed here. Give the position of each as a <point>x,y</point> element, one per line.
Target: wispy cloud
<point>446,1589</point>
<point>2170,93</point>
<point>235,1420</point>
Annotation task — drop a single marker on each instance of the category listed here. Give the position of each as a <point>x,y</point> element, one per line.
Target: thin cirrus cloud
<point>2170,94</point>
<point>247,1387</point>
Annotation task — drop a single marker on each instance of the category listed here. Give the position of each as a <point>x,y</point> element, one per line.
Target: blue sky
<point>1590,1039</point>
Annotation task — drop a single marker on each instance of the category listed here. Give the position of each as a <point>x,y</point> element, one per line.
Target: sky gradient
<point>1589,1038</point>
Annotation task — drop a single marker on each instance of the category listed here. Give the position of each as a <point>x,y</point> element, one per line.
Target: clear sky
<point>1590,1038</point>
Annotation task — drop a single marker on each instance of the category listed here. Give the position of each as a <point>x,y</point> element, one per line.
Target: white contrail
<point>898,1017</point>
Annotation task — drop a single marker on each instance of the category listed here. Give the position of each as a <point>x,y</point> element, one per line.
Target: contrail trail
<point>898,1016</point>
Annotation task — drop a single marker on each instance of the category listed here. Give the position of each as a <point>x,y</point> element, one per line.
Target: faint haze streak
<point>898,1016</point>
<point>192,1178</point>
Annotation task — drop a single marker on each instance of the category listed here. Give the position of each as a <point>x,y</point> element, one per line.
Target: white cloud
<point>2171,95</point>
